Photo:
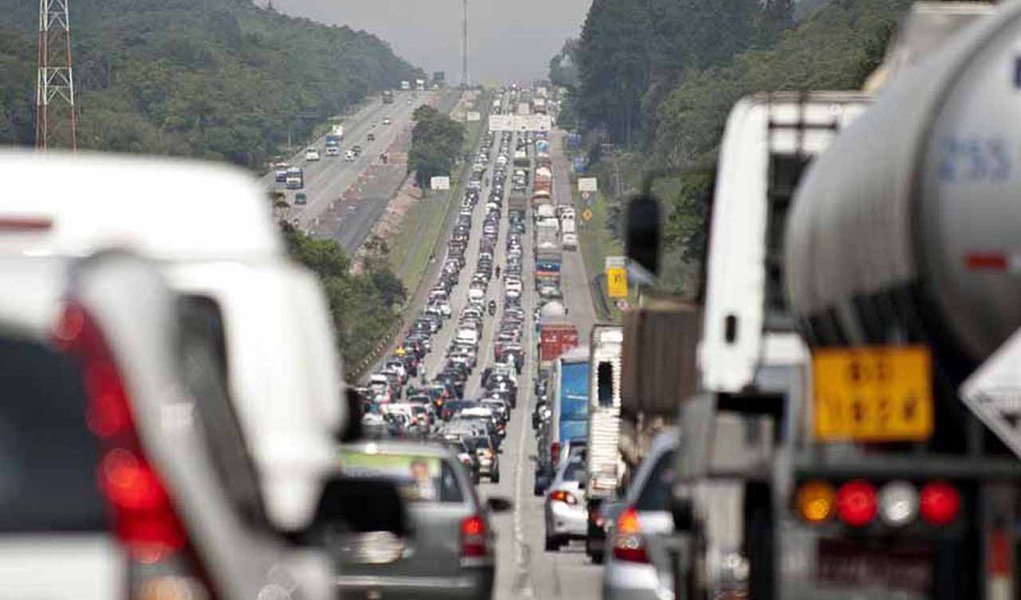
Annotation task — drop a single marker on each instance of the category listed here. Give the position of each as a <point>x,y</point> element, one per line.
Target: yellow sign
<point>616,281</point>
<point>872,394</point>
<point>586,214</point>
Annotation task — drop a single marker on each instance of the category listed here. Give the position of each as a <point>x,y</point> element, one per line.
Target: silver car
<point>638,546</point>
<point>448,549</point>
<point>565,507</point>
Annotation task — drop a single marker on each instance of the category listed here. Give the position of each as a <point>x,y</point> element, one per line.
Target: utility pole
<point>465,82</point>
<point>56,122</point>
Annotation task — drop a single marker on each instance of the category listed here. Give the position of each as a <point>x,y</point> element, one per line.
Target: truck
<point>603,463</point>
<point>338,130</point>
<point>521,158</point>
<point>556,335</point>
<point>569,382</point>
<point>548,262</point>
<point>388,97</point>
<point>295,179</point>
<point>420,85</point>
<point>545,235</point>
<point>517,203</point>
<point>405,85</point>
<point>332,144</point>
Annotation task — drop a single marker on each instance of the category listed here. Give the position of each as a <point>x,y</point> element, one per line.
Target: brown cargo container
<point>658,364</point>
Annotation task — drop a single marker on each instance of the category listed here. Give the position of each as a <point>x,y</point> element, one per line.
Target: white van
<point>269,314</point>
<point>468,335</point>
<point>476,295</point>
<point>569,241</point>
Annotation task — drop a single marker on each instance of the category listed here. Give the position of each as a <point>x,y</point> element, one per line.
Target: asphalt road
<point>524,568</point>
<point>345,199</point>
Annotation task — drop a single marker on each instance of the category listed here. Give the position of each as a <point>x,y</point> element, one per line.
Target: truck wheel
<point>495,478</point>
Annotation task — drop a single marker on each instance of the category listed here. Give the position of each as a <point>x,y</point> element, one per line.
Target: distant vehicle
<point>280,172</point>
<point>371,137</point>
<point>332,151</point>
<point>446,550</point>
<point>357,149</point>
<point>569,241</point>
<point>387,121</point>
<point>349,156</point>
<point>312,154</point>
<point>602,457</point>
<point>338,130</point>
<point>565,514</point>
<point>405,85</point>
<point>570,385</point>
<point>388,97</point>
<point>300,199</point>
<point>420,85</point>
<point>295,178</point>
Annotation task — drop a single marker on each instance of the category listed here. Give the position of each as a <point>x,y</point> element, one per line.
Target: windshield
<point>424,479</point>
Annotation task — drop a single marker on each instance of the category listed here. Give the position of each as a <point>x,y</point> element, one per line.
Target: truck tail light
<point>474,542</point>
<point>857,503</point>
<point>627,538</point>
<point>939,503</point>
<point>144,517</point>
<point>815,501</point>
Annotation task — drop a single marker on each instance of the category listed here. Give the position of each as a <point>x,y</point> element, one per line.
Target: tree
<point>436,142</point>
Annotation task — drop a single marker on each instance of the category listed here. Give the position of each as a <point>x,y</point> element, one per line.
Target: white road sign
<point>588,184</point>
<point>520,123</point>
<point>439,182</point>
<point>472,116</point>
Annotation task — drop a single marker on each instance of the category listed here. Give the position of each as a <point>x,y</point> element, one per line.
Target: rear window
<point>48,456</point>
<point>419,479</point>
<point>574,471</point>
<point>656,492</point>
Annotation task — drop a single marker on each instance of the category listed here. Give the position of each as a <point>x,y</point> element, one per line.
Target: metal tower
<point>56,123</point>
<point>464,45</point>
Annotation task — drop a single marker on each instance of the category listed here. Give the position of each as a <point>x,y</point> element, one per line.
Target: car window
<point>655,493</point>
<point>419,479</point>
<point>574,471</point>
<point>47,453</point>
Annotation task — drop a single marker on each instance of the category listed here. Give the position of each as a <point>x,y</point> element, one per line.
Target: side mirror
<point>498,504</point>
<point>643,232</point>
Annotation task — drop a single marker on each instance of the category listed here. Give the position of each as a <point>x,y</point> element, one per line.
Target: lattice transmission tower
<point>56,123</point>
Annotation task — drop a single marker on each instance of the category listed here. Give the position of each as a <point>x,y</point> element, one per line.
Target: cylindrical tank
<point>909,227</point>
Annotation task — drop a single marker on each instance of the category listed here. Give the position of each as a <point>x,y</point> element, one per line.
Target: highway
<point>524,569</point>
<point>346,198</point>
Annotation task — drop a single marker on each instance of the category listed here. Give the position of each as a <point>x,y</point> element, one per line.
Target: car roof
<point>399,447</point>
<point>162,208</point>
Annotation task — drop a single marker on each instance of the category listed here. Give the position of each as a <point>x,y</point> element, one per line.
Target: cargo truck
<point>569,381</point>
<point>420,85</point>
<point>517,204</point>
<point>295,179</point>
<point>388,97</point>
<point>603,462</point>
<point>548,262</point>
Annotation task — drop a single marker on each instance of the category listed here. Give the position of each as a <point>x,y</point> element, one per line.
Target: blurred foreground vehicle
<point>209,231</point>
<point>125,469</point>
<point>446,548</point>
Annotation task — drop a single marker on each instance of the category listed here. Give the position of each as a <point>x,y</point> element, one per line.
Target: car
<point>387,121</point>
<point>349,156</point>
<point>566,515</point>
<point>569,241</point>
<point>312,154</point>
<point>300,199</point>
<point>447,548</point>
<point>280,172</point>
<point>371,137</point>
<point>356,149</point>
<point>638,528</point>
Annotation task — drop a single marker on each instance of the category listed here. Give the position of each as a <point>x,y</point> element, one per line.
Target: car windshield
<point>656,493</point>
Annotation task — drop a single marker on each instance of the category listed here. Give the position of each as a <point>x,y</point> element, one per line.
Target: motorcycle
<point>492,307</point>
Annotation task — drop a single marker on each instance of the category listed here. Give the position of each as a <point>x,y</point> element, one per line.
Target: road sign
<point>588,184</point>
<point>993,393</point>
<point>872,394</point>
<point>439,182</point>
<point>586,195</point>
<point>472,116</point>
<point>616,282</point>
<point>520,123</point>
<point>622,304</point>
<point>586,215</point>
<point>616,262</point>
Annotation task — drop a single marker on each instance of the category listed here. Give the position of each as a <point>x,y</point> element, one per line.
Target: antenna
<point>464,46</point>
<point>55,123</point>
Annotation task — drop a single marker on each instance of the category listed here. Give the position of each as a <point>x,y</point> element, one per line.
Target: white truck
<point>405,85</point>
<point>603,464</point>
<point>420,85</point>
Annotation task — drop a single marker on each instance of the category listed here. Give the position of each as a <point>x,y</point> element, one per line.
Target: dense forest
<point>217,79</point>
<point>656,79</point>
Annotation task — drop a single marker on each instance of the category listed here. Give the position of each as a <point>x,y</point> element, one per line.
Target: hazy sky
<point>509,40</point>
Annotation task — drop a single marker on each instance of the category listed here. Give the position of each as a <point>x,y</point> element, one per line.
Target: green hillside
<point>218,79</point>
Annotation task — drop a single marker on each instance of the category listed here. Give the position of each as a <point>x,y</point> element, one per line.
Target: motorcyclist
<point>492,307</point>
<point>497,271</point>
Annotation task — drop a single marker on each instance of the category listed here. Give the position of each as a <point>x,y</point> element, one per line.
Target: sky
<point>509,40</point>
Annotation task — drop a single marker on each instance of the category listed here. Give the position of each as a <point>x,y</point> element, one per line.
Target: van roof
<point>165,209</point>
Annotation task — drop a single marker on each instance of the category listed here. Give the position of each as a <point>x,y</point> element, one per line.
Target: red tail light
<point>144,517</point>
<point>562,496</point>
<point>554,451</point>
<point>939,503</point>
<point>857,503</point>
<point>627,538</point>
<point>473,537</point>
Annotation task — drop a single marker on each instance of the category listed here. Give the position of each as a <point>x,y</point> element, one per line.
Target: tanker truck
<point>831,451</point>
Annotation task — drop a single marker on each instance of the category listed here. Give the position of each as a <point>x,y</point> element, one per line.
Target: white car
<point>312,154</point>
<point>349,156</point>
<point>565,508</point>
<point>387,121</point>
<point>569,241</point>
<point>513,284</point>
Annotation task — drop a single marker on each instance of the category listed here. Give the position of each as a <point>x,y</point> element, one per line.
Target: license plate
<point>875,572</point>
<point>873,394</point>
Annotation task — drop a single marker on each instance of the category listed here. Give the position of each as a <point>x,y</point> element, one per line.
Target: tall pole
<point>56,122</point>
<point>465,82</point>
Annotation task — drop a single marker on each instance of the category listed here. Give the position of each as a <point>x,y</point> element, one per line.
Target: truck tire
<point>552,544</point>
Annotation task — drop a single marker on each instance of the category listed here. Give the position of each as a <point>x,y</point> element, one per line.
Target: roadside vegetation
<point>363,306</point>
<point>650,84</point>
<point>436,143</point>
<point>213,79</point>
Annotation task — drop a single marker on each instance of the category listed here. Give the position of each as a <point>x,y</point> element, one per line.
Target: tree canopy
<point>436,142</point>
